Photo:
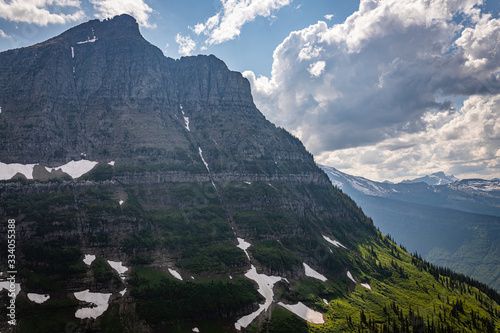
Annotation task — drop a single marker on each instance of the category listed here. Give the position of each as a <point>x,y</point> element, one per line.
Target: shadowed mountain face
<point>194,207</point>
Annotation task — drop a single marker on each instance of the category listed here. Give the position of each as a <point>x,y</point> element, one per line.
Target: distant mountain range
<point>450,222</point>
<point>437,178</point>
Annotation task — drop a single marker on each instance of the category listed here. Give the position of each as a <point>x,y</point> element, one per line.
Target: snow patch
<point>99,303</point>
<point>38,298</point>
<point>244,246</point>
<point>334,242</point>
<point>112,163</point>
<point>248,183</point>
<point>88,40</point>
<point>72,52</point>
<point>121,202</point>
<point>366,285</point>
<point>337,183</point>
<point>196,329</point>
<point>349,275</point>
<point>118,266</point>
<point>204,162</point>
<point>75,168</point>
<point>7,171</point>
<point>314,274</point>
<point>88,259</point>
<point>175,274</point>
<point>308,314</point>
<point>325,301</point>
<point>6,285</point>
<point>123,292</point>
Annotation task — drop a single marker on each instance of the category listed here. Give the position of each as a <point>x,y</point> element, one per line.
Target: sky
<point>385,89</point>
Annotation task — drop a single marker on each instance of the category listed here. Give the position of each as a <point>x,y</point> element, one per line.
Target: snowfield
<point>309,315</point>
<point>99,304</point>
<point>314,274</point>
<point>38,298</point>
<point>89,258</point>
<point>118,266</point>
<point>175,274</point>
<point>334,242</point>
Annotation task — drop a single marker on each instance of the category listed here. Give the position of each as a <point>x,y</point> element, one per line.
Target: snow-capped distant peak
<point>437,178</point>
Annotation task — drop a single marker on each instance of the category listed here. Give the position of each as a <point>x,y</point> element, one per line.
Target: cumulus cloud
<point>137,8</point>
<point>41,12</point>
<point>3,34</point>
<point>186,44</point>
<point>362,92</point>
<point>226,25</point>
<point>464,143</point>
<point>317,68</point>
<point>329,16</point>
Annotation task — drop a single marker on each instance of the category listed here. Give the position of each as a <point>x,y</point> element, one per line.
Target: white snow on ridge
<point>88,40</point>
<point>7,171</point>
<point>337,183</point>
<point>75,169</point>
<point>366,285</point>
<point>203,159</point>
<point>314,274</point>
<point>99,299</point>
<point>118,266</point>
<point>349,275</point>
<point>334,242</point>
<point>186,119</point>
<point>38,298</point>
<point>311,316</point>
<point>89,258</point>
<point>175,274</point>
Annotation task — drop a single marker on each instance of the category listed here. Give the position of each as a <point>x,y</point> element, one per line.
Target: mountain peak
<point>436,178</point>
<point>121,26</point>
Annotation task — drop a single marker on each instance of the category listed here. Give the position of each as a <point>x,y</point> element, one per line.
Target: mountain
<point>147,194</point>
<point>437,178</point>
<point>456,225</point>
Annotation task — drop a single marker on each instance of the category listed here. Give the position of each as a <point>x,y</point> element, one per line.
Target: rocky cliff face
<point>102,90</point>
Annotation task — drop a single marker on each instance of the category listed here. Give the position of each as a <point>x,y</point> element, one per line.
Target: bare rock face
<point>103,90</point>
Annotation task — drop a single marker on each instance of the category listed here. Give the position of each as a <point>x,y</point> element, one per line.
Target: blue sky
<point>385,89</point>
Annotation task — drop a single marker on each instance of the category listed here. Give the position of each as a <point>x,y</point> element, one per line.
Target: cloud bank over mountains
<point>381,93</point>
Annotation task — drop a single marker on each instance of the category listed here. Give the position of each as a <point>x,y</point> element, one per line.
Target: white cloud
<point>137,8</point>
<point>317,68</point>
<point>226,25</point>
<point>329,17</point>
<point>3,34</point>
<point>382,83</point>
<point>465,143</point>
<point>186,44</point>
<point>41,12</point>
